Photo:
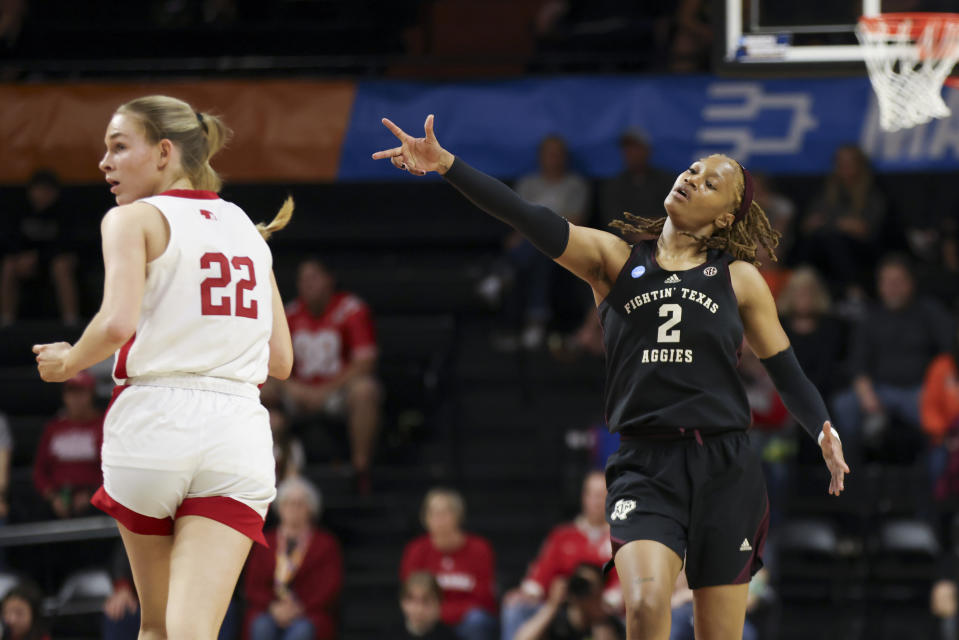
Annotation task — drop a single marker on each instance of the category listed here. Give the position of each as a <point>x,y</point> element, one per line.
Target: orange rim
<point>918,22</point>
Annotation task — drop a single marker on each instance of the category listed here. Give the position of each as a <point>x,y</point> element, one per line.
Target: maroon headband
<point>747,195</point>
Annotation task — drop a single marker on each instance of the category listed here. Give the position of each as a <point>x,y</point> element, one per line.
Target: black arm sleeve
<point>545,229</point>
<point>799,394</point>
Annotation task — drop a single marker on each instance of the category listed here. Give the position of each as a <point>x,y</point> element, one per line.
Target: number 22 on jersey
<point>220,265</point>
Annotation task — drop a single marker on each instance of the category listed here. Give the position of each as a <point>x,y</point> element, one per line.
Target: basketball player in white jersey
<point>191,309</point>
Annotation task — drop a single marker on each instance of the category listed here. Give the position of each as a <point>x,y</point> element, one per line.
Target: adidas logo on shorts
<point>745,546</point>
<point>673,279</point>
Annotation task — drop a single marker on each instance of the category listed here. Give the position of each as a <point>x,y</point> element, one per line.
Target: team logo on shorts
<point>622,509</point>
<point>710,271</point>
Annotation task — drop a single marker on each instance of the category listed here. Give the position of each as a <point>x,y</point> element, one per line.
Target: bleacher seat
<point>82,592</point>
<point>904,561</point>
<point>7,581</point>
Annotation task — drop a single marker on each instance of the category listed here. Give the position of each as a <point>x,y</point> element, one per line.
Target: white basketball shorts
<point>187,445</point>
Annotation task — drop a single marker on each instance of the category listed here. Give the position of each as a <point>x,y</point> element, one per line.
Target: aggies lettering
<point>673,340</point>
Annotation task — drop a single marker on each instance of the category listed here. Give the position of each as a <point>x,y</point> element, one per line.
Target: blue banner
<point>777,126</point>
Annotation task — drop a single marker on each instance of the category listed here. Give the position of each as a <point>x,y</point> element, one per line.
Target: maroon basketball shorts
<point>704,497</point>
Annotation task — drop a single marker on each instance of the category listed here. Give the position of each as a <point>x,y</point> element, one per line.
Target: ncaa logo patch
<point>622,508</point>
<point>710,271</point>
<point>638,271</point>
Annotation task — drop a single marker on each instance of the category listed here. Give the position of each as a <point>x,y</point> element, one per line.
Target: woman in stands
<point>191,309</point>
<point>675,310</point>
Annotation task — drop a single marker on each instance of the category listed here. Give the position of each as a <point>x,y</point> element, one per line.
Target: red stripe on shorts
<point>120,370</point>
<point>759,543</point>
<point>228,511</point>
<point>117,390</point>
<point>135,522</point>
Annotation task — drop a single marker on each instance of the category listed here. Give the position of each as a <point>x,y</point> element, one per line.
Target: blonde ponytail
<point>198,135</point>
<point>280,220</point>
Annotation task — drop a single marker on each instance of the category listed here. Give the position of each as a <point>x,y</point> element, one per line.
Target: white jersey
<point>208,305</point>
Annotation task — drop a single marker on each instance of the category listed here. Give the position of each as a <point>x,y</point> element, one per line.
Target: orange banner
<point>284,131</point>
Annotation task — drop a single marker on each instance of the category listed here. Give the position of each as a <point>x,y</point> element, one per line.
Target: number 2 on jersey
<point>222,264</point>
<point>666,331</point>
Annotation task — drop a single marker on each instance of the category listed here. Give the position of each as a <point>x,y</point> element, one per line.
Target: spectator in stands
<point>840,231</point>
<point>293,586</point>
<point>287,448</point>
<point>41,239</point>
<point>21,614</point>
<point>66,470</point>
<point>640,188</point>
<point>943,605</point>
<point>574,609</point>
<point>531,273</point>
<point>693,38</point>
<point>12,13</point>
<point>780,211</point>
<point>335,354</point>
<point>121,609</point>
<point>420,600</point>
<point>584,540</point>
<point>463,563</point>
<point>937,274</point>
<point>939,410</point>
<point>6,451</point>
<point>816,336</point>
<point>891,349</point>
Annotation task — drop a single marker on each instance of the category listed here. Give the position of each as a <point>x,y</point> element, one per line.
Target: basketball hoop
<point>909,56</point>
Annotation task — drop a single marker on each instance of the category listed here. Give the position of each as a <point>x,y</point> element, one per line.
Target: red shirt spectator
<point>462,563</point>
<point>324,344</point>
<point>939,403</point>
<point>300,575</point>
<point>68,456</point>
<point>584,540</point>
<point>334,347</point>
<point>567,546</point>
<point>465,574</point>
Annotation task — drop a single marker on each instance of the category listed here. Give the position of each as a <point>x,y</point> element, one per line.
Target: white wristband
<point>822,434</point>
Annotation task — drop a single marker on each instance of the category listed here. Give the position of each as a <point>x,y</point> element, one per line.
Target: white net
<point>908,58</point>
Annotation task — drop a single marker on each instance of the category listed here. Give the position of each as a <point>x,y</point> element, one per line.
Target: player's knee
<point>646,608</point>
<point>182,629</point>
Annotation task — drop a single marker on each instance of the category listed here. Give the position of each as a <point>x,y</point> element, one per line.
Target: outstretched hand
<point>832,454</point>
<point>416,155</point>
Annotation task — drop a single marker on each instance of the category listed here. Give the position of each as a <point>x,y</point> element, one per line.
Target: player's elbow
<point>119,329</point>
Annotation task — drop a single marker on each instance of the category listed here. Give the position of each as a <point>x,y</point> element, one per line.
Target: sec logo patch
<point>638,271</point>
<point>710,271</point>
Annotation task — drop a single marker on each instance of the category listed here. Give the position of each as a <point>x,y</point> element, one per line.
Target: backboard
<point>801,36</point>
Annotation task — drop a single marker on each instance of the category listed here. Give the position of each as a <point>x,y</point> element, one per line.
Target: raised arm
<point>594,256</point>
<point>769,342</point>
